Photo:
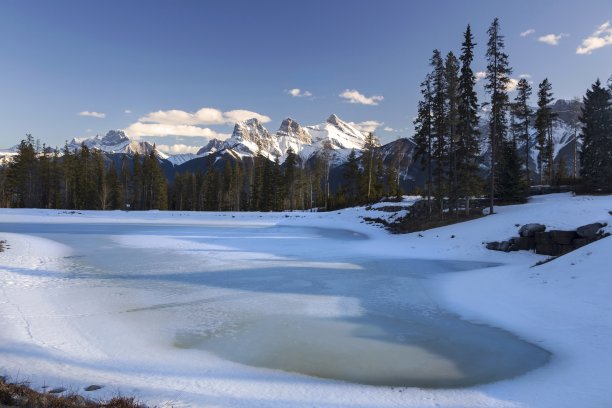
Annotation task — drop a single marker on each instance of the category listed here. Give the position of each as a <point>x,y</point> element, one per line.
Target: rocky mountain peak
<point>212,146</point>
<point>334,119</point>
<point>114,137</point>
<point>290,128</point>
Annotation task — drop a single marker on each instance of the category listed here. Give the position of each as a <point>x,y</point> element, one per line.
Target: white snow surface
<point>59,331</point>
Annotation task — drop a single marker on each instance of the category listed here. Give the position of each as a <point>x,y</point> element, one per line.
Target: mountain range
<point>250,138</point>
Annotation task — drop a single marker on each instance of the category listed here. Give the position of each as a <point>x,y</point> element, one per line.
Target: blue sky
<point>77,68</point>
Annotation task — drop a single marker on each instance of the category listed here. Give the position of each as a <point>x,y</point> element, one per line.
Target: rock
<point>526,243</point>
<point>589,230</point>
<point>545,249</point>
<point>58,390</point>
<point>504,246</point>
<point>529,230</point>
<point>92,387</point>
<point>494,246</point>
<point>563,237</point>
<point>563,249</point>
<point>542,238</point>
<point>580,242</point>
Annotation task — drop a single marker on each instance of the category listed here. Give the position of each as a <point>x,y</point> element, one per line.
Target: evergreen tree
<point>522,113</point>
<point>498,78</point>
<point>423,135</point>
<point>22,175</point>
<point>596,135</point>
<point>452,123</point>
<point>352,175</point>
<point>290,178</point>
<point>368,160</point>
<point>543,125</point>
<point>468,146</point>
<point>439,127</point>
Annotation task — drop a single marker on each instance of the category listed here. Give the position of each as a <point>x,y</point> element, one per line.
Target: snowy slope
<point>51,323</point>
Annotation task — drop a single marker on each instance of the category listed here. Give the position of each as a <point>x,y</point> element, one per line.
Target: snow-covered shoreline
<point>563,306</point>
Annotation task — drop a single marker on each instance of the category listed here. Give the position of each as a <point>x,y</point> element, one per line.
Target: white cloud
<point>389,129</point>
<point>526,76</point>
<point>98,115</point>
<point>512,84</point>
<point>527,32</point>
<point>552,39</point>
<point>176,122</point>
<point>239,115</point>
<point>480,75</point>
<point>354,96</point>
<point>600,38</point>
<point>204,116</point>
<point>367,125</point>
<point>127,111</point>
<point>298,93</point>
<point>177,148</point>
<point>139,129</point>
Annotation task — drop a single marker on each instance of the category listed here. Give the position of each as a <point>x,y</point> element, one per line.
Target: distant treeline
<point>83,179</point>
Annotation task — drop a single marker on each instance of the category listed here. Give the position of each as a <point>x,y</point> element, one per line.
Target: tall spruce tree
<point>522,113</point>
<point>368,161</point>
<point>543,124</point>
<point>439,127</point>
<point>596,153</point>
<point>423,135</point>
<point>451,67</point>
<point>498,78</point>
<point>468,146</point>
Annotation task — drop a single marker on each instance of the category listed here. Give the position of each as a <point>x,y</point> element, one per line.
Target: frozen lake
<point>301,300</point>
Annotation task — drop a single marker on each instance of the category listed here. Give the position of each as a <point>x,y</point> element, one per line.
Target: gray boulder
<point>529,230</point>
<point>589,230</point>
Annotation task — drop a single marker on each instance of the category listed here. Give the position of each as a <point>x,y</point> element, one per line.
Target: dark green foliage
<point>522,113</point>
<point>498,78</point>
<point>596,135</point>
<point>467,154</point>
<point>543,123</point>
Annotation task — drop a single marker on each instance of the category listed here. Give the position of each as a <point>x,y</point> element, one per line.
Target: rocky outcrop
<point>534,237</point>
<point>290,128</point>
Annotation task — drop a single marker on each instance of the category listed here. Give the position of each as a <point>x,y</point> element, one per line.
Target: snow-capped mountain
<point>115,141</point>
<point>251,137</point>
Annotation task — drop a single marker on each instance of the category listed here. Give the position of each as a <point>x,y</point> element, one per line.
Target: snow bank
<point>563,306</point>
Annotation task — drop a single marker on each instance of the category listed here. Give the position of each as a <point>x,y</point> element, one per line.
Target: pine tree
<point>468,147</point>
<point>543,123</point>
<point>439,127</point>
<point>368,160</point>
<point>451,68</point>
<point>22,175</point>
<point>352,175</point>
<point>522,113</point>
<point>498,78</point>
<point>423,135</point>
<point>596,135</point>
<point>290,178</point>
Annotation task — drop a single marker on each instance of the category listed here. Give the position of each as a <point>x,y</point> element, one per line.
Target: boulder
<point>529,230</point>
<point>545,249</point>
<point>526,243</point>
<point>563,237</point>
<point>589,230</point>
<point>494,246</point>
<point>504,246</point>
<point>563,249</point>
<point>543,238</point>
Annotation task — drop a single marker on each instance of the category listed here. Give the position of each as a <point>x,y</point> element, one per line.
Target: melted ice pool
<point>301,300</point>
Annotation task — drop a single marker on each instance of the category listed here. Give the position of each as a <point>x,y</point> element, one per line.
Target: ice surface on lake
<point>301,300</point>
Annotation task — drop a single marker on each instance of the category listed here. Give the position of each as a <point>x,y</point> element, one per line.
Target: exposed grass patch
<point>20,395</point>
